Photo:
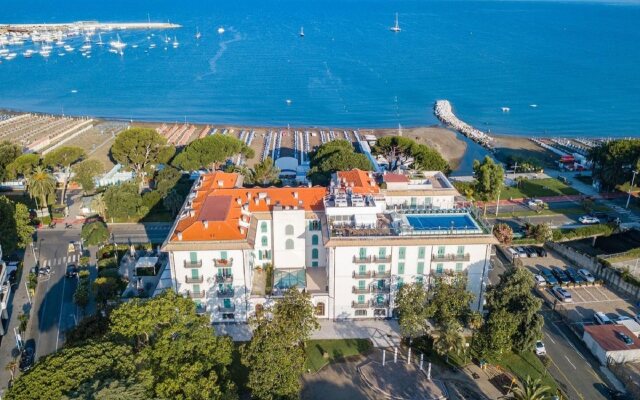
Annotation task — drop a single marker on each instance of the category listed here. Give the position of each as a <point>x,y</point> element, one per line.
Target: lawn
<point>323,352</point>
<point>553,211</point>
<point>525,364</point>
<point>538,188</point>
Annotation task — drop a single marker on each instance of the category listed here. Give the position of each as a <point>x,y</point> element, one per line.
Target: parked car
<point>72,271</point>
<point>541,251</point>
<point>531,251</point>
<point>564,180</point>
<point>588,220</point>
<point>574,276</point>
<point>603,216</point>
<point>540,281</point>
<point>513,252</point>
<point>621,318</point>
<point>561,275</point>
<point>626,339</point>
<point>562,294</point>
<point>548,276</point>
<point>601,318</point>
<point>535,203</point>
<point>521,252</point>
<point>587,275</point>
<point>27,357</point>
<point>540,349</point>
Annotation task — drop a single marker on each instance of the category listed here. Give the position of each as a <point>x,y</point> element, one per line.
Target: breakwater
<point>85,26</point>
<point>444,112</point>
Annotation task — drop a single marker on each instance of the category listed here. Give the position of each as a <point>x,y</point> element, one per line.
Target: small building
<point>607,343</point>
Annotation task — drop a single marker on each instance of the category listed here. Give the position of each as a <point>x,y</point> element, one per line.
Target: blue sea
<point>578,63</point>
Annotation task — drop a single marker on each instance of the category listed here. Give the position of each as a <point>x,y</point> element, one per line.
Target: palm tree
<point>98,205</point>
<point>265,172</point>
<point>11,367</point>
<point>532,389</point>
<point>41,185</point>
<point>450,339</point>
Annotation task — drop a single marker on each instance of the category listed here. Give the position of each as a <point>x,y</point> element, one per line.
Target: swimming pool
<point>442,222</point>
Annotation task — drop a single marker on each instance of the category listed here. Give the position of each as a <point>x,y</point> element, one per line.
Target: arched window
<point>263,227</point>
<point>314,240</point>
<point>320,309</point>
<point>288,245</point>
<point>288,230</point>
<point>265,241</point>
<point>314,254</point>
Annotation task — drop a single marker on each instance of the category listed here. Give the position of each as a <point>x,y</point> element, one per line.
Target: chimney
<point>309,184</point>
<point>248,196</point>
<point>295,195</point>
<point>179,235</point>
<point>268,200</point>
<point>192,213</point>
<point>206,224</point>
<point>220,183</point>
<point>241,230</point>
<point>239,201</point>
<point>300,203</point>
<point>256,200</point>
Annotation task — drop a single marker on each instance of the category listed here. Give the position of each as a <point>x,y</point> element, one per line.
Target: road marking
<point>569,361</point>
<point>550,338</point>
<point>64,283</point>
<point>566,379</point>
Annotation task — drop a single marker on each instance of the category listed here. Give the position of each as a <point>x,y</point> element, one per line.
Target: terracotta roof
<point>218,211</point>
<point>358,180</point>
<point>395,178</point>
<point>608,337</point>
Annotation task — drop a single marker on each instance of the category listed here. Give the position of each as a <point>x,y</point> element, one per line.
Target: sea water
<point>562,68</point>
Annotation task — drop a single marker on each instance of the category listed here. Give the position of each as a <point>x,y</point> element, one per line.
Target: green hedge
<point>582,232</point>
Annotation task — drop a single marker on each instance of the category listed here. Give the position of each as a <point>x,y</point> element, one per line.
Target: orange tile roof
<point>217,208</point>
<point>359,181</point>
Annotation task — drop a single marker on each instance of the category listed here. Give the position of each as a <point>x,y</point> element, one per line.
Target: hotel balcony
<point>380,304</point>
<point>362,260</point>
<point>225,293</point>
<point>190,279</point>
<point>450,257</point>
<point>380,289</point>
<point>382,275</point>
<point>385,259</point>
<point>355,304</point>
<point>357,290</point>
<point>195,295</point>
<point>224,278</point>
<point>193,264</point>
<point>362,275</point>
<point>230,309</point>
<point>222,263</point>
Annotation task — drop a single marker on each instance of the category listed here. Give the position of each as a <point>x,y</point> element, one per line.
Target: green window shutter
<point>263,227</point>
<point>314,253</point>
<point>193,256</point>
<point>381,269</point>
<point>414,202</point>
<point>439,268</point>
<point>402,252</point>
<point>361,285</point>
<point>223,255</point>
<point>314,240</point>
<point>361,299</point>
<point>461,250</point>
<point>259,254</point>
<point>314,263</point>
<point>382,252</point>
<point>400,283</point>
<point>363,252</point>
<point>441,250</point>
<point>420,252</point>
<point>362,269</point>
<point>381,284</point>
<point>194,273</point>
<point>227,303</point>
<point>458,267</point>
<point>196,288</point>
<point>401,268</point>
<point>265,241</point>
<point>420,268</point>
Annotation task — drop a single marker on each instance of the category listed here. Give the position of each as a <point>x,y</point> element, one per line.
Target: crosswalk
<point>60,260</point>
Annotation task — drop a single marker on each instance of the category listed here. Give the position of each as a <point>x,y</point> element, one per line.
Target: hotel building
<point>350,245</point>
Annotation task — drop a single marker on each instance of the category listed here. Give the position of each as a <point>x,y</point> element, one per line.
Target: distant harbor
<point>444,112</point>
<point>85,26</point>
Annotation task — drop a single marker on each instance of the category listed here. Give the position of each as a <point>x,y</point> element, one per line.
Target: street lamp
<point>630,187</point>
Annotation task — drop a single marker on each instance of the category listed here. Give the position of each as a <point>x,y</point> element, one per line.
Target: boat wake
<point>213,62</point>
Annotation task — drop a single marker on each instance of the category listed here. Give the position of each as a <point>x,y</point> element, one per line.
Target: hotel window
<point>194,274</point>
<point>361,313</point>
<point>414,202</point>
<point>360,299</point>
<point>193,257</point>
<point>381,269</point>
<point>363,252</point>
<point>314,225</point>
<point>314,263</point>
<point>458,267</point>
<point>288,245</point>
<point>400,283</point>
<point>320,309</point>
<point>419,279</point>
<point>382,252</point>
<point>223,255</point>
<point>401,268</point>
<point>441,250</point>
<point>196,289</point>
<point>263,227</point>
<point>420,267</point>
<point>361,285</point>
<point>460,251</point>
<point>288,230</point>
<point>439,268</point>
<point>427,201</point>
<point>265,241</point>
<point>314,240</point>
<point>420,252</point>
<point>267,254</point>
<point>314,254</point>
<point>402,252</point>
<point>259,254</point>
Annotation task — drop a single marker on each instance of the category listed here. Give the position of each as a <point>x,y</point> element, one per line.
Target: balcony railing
<point>362,275</point>
<point>191,279</point>
<point>224,278</point>
<point>357,290</point>
<point>223,263</point>
<point>382,259</point>
<point>362,260</point>
<point>195,295</point>
<point>450,257</point>
<point>380,289</point>
<point>382,275</point>
<point>230,309</point>
<point>355,304</point>
<point>193,264</point>
<point>225,293</point>
<point>380,304</point>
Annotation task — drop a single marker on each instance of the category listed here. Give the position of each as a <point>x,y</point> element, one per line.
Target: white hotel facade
<point>351,245</point>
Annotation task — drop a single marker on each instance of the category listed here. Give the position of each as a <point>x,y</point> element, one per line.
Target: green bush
<point>106,263</point>
<point>109,272</point>
<point>582,232</point>
<point>83,274</point>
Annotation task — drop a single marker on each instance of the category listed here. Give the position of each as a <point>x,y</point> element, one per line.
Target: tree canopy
<point>405,152</point>
<point>22,166</point>
<point>15,226</point>
<point>450,302</point>
<point>95,233</point>
<point>166,180</point>
<point>86,172</point>
<point>153,349</point>
<point>264,173</point>
<point>123,201</point>
<point>614,161</point>
<point>503,233</point>
<point>411,303</point>
<point>41,185</point>
<point>337,155</point>
<point>63,157</point>
<point>209,151</point>
<point>8,154</point>
<point>489,179</point>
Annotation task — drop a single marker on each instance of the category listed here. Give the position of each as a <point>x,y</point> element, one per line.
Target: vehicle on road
<point>562,294</point>
<point>587,275</point>
<point>574,276</point>
<point>561,275</point>
<point>626,339</point>
<point>564,180</point>
<point>540,349</point>
<point>27,357</point>
<point>548,276</point>
<point>540,281</point>
<point>72,271</point>
<point>44,270</point>
<point>541,251</point>
<point>603,216</point>
<point>601,318</point>
<point>535,203</point>
<point>588,220</point>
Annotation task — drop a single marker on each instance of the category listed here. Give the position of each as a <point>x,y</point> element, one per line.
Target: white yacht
<point>117,44</point>
<point>175,42</point>
<point>221,30</point>
<point>396,27</point>
<point>302,31</point>
<point>85,47</point>
<point>506,109</point>
<point>152,46</point>
<point>10,56</point>
<point>198,34</point>
<point>100,42</point>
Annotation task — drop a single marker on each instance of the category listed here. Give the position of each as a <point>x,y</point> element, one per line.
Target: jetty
<point>85,26</point>
<point>444,112</point>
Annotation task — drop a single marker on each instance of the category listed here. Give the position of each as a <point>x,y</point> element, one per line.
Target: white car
<point>535,203</point>
<point>588,276</point>
<point>540,281</point>
<point>540,349</point>
<point>588,220</point>
<point>562,294</point>
<point>622,318</point>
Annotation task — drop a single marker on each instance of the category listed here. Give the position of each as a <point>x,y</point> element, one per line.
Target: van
<point>602,319</point>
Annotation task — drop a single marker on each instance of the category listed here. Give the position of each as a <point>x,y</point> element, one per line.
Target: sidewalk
<point>18,303</point>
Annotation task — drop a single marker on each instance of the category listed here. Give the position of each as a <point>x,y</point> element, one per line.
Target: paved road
<point>154,232</point>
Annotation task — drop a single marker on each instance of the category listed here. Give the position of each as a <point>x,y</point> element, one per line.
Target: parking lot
<point>586,299</point>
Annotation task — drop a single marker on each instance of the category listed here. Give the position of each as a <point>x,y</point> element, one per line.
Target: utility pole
<point>630,187</point>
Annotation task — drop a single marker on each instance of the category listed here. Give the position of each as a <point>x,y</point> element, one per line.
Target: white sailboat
<point>198,34</point>
<point>396,27</point>
<point>100,42</point>
<point>117,44</point>
<point>175,42</point>
<point>302,31</point>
